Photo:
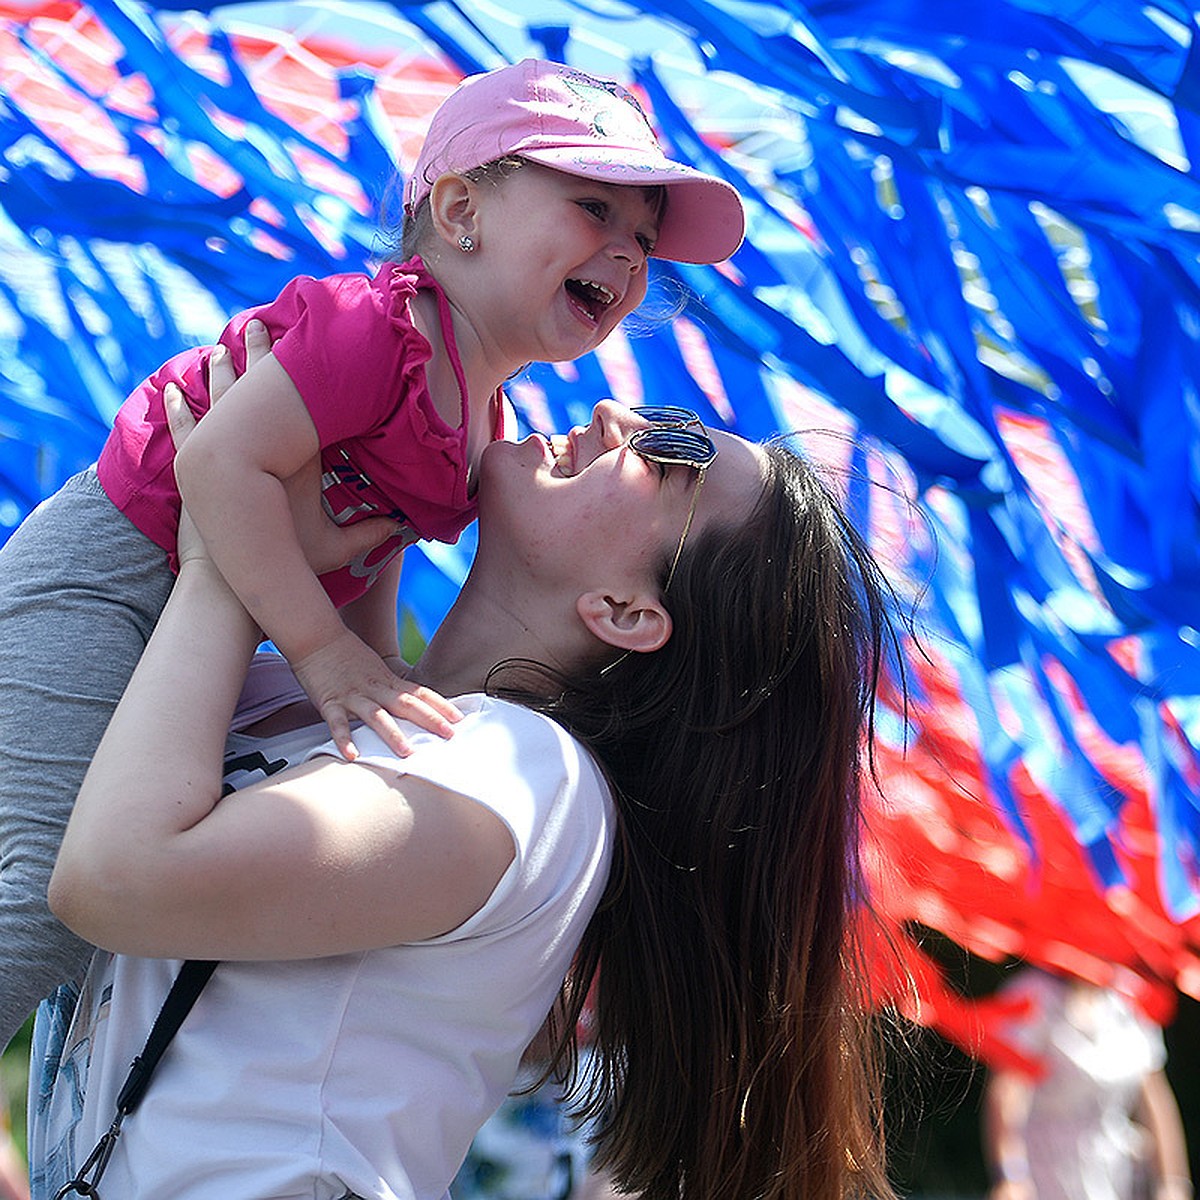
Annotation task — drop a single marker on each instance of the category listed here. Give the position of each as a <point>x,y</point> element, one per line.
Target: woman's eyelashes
<point>665,470</point>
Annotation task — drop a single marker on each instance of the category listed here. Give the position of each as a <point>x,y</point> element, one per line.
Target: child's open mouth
<point>594,298</point>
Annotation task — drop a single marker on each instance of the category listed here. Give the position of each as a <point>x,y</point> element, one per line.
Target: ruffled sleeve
<point>349,345</point>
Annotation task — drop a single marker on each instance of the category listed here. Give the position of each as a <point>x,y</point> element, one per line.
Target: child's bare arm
<point>373,615</point>
<point>231,474</point>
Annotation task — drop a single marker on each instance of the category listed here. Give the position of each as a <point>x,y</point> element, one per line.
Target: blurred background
<point>968,288</point>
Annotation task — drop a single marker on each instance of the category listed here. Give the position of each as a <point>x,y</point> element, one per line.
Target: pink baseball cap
<point>574,122</point>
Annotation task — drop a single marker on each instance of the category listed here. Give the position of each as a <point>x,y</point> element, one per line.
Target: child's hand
<point>348,681</point>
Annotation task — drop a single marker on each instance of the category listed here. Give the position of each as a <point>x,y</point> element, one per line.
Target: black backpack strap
<point>188,985</point>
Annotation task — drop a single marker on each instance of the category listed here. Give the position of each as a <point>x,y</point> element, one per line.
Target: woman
<point>667,645</point>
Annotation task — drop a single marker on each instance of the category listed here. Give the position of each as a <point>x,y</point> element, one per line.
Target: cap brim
<point>704,221</point>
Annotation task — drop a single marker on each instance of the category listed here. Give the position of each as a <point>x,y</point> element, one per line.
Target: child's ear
<point>453,203</point>
<point>637,622</point>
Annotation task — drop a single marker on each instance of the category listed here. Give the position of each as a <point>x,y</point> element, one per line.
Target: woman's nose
<point>614,422</point>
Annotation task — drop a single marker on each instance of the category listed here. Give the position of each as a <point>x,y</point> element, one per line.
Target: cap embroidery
<point>603,162</point>
<point>625,120</point>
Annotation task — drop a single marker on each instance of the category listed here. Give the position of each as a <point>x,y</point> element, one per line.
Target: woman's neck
<point>480,631</point>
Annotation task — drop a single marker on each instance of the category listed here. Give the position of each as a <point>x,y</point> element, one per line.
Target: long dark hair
<point>732,1060</point>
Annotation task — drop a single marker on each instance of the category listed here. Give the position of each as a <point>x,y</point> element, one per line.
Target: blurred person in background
<point>14,1175</point>
<point>1100,1121</point>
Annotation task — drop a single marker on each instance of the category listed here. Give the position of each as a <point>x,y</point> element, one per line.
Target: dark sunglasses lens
<point>675,445</point>
<point>665,414</point>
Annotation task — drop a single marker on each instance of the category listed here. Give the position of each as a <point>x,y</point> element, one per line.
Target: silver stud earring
<point>466,243</point>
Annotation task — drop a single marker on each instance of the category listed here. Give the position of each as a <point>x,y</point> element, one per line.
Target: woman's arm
<point>327,859</point>
<point>332,857</point>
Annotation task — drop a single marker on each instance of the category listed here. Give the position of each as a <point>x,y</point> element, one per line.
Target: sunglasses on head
<point>676,437</point>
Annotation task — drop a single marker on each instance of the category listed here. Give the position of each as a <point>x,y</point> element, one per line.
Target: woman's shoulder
<point>485,715</point>
<point>503,733</point>
<point>514,760</point>
<point>528,733</point>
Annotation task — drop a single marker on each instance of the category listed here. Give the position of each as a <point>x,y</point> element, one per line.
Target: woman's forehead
<point>734,481</point>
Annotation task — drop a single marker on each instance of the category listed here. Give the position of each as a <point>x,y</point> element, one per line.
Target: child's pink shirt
<point>349,345</point>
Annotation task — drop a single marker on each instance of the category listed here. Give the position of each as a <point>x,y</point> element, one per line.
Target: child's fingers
<point>421,706</point>
<point>180,419</point>
<point>339,730</point>
<point>381,721</point>
<point>429,705</point>
<point>345,745</point>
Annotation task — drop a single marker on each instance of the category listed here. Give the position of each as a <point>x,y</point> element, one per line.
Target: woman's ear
<point>638,623</point>
<point>453,204</point>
